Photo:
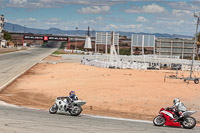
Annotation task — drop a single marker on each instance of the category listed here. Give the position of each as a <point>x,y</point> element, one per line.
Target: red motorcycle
<point>169,117</point>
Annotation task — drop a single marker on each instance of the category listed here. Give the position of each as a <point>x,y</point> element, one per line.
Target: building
<point>174,47</point>
<point>1,28</point>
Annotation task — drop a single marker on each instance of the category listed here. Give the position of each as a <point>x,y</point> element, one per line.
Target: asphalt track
<point>15,119</point>
<point>23,120</point>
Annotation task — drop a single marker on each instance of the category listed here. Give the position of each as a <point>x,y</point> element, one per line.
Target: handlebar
<point>170,109</point>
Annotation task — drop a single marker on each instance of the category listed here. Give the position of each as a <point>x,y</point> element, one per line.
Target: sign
<point>33,37</point>
<point>46,38</point>
<point>104,38</point>
<point>143,40</point>
<point>58,38</point>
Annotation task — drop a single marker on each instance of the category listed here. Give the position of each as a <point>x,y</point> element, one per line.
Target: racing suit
<point>179,109</point>
<point>73,97</point>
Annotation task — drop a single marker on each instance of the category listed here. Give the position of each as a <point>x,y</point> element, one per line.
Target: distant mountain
<point>55,31</point>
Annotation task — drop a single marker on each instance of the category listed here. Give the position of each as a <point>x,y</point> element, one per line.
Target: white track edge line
<point>88,115</point>
<point>115,118</point>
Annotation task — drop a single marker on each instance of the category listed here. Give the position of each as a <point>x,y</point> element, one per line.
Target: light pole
<point>195,42</point>
<point>76,39</point>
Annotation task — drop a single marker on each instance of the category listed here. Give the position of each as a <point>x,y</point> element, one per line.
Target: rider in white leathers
<point>179,107</point>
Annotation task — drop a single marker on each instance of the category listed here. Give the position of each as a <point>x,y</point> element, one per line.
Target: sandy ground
<point>136,94</point>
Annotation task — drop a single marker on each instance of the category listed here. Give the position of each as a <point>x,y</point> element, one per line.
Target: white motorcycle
<point>66,104</point>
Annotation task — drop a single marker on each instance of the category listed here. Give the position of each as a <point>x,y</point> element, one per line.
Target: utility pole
<point>76,39</point>
<point>195,43</point>
<point>195,79</point>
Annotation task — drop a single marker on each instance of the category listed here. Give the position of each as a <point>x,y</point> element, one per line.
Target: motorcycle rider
<point>73,96</point>
<point>179,108</point>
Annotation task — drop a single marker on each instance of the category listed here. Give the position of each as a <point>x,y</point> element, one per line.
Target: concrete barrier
<point>6,50</point>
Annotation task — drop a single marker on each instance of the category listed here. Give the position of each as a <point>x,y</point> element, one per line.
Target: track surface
<point>15,63</point>
<point>22,120</point>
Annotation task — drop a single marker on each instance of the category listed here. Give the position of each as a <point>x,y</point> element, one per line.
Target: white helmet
<point>176,100</point>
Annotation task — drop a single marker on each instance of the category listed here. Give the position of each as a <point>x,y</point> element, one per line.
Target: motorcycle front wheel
<point>75,111</point>
<point>53,109</point>
<point>159,120</point>
<point>189,123</point>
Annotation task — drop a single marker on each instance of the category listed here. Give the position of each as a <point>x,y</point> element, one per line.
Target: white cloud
<point>141,19</point>
<point>180,13</point>
<point>132,26</point>
<point>94,10</point>
<point>99,18</point>
<point>171,23</point>
<point>46,1</point>
<point>41,24</point>
<point>50,23</point>
<point>54,19</point>
<point>182,5</point>
<point>18,1</point>
<point>89,22</point>
<point>91,2</point>
<point>123,27</point>
<point>150,28</point>
<point>154,8</point>
<point>111,26</point>
<point>26,20</point>
<point>31,4</point>
<point>59,3</point>
<point>92,21</point>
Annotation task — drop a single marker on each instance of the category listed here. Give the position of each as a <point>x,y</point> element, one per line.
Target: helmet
<point>72,92</point>
<point>176,100</point>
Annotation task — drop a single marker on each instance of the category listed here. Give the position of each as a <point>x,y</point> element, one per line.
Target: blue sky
<point>157,16</point>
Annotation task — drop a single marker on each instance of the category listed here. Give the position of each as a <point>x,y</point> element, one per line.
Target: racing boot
<point>70,104</point>
<point>176,120</point>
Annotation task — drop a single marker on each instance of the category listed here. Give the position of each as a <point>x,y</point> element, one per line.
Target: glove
<point>166,108</point>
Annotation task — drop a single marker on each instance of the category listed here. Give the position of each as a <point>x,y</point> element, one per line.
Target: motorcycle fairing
<point>170,119</point>
<point>188,113</point>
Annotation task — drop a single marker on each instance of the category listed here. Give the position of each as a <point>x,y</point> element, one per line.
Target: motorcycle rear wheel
<point>159,121</point>
<point>53,109</point>
<point>189,123</point>
<point>75,111</point>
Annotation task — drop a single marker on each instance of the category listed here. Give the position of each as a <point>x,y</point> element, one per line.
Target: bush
<point>124,51</point>
<point>7,35</point>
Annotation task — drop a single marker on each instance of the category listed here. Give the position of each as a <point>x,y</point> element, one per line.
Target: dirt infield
<point>137,94</point>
